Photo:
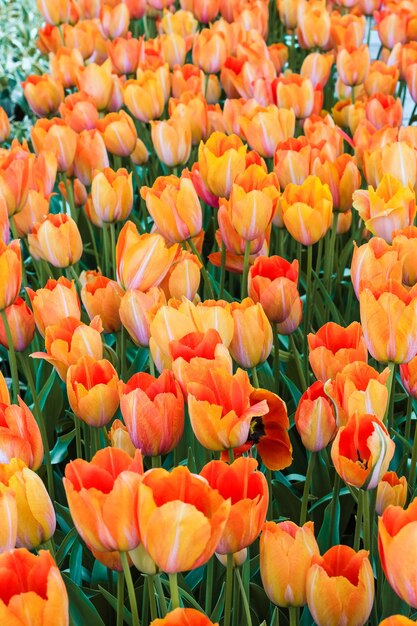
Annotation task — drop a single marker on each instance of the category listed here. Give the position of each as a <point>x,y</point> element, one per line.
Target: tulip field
<point>208,313</point>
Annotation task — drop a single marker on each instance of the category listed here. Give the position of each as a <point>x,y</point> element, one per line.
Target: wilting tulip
<point>68,341</point>
<point>57,300</point>
<point>358,387</point>
<point>252,337</point>
<point>248,491</point>
<point>56,240</point>
<point>333,347</point>
<point>265,127</point>
<point>44,94</point>
<point>362,451</point>
<point>340,587</point>
<point>220,410</point>
<point>21,324</point>
<point>10,272</point>
<point>389,207</point>
<point>142,260</point>
<point>296,93</point>
<point>221,159</point>
<point>307,210</point>
<point>172,141</point>
<point>153,411</point>
<point>112,195</point>
<point>397,546</point>
<point>315,419</point>
<point>102,497</point>
<point>19,435</point>
<point>389,322</point>
<point>286,552</point>
<point>34,589</point>
<point>391,490</point>
<point>184,617</point>
<point>373,264</point>
<point>102,296</point>
<point>144,97</point>
<point>35,514</point>
<point>187,512</point>
<point>137,310</point>
<point>92,388</point>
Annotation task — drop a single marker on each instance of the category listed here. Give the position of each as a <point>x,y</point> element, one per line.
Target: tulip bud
<point>252,336</point>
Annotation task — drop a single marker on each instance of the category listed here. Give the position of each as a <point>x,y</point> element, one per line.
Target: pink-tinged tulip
<point>57,300</point>
<point>90,155</point>
<point>44,94</point>
<point>252,337</point>
<point>56,240</point>
<point>95,80</point>
<point>111,195</point>
<point>21,323</point>
<point>373,264</point>
<point>19,435</point>
<point>102,296</point>
<point>10,272</point>
<point>297,93</point>
<point>137,309</point>
<point>315,419</point>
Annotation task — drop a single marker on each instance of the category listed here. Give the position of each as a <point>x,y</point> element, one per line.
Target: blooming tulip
<point>391,490</point>
<point>315,419</point>
<point>10,272</point>
<point>183,617</point>
<point>252,338</point>
<point>333,347</point>
<point>21,325</point>
<point>221,159</point>
<point>57,300</point>
<point>19,435</point>
<point>56,240</point>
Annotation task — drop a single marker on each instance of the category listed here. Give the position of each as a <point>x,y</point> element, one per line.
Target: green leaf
<point>65,546</point>
<point>82,610</point>
<point>60,449</point>
<point>327,537</point>
<point>289,505</point>
<point>75,564</point>
<point>218,609</point>
<point>112,600</point>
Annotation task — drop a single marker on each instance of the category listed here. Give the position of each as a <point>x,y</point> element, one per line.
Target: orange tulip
<point>79,112</point>
<point>102,497</point>
<point>193,109</point>
<point>411,79</point>
<point>173,49</point>
<point>292,162</point>
<point>408,372</point>
<point>286,552</point>
<point>8,511</point>
<point>265,127</point>
<point>389,322</point>
<point>249,209</point>
<point>90,155</point>
<point>172,141</point>
<point>64,65</point>
<point>153,411</point>
<point>343,178</point>
<point>358,387</point>
<point>252,338</point>
<point>220,410</point>
<point>95,80</point>
<point>313,25</point>
<point>397,549</point>
<point>112,195</point>
<point>119,133</point>
<point>297,93</point>
<point>21,324</point>
<point>54,12</point>
<point>142,260</point>
<point>373,264</point>
<point>315,419</point>
<point>362,451</point>
<point>115,20</point>
<point>391,27</point>
<point>384,110</point>
<point>68,341</point>
<point>54,302</point>
<point>35,514</point>
<point>137,310</point>
<point>144,97</point>
<point>4,125</point>
<point>183,617</point>
<point>187,512</point>
<point>317,68</point>
<point>55,136</point>
<point>102,296</point>
<point>4,391</point>
<point>353,64</point>
<point>92,388</point>
<point>183,278</point>
<point>209,50</point>
<point>119,438</point>
<point>15,166</point>
<point>124,54</point>
<point>44,94</point>
<point>307,210</point>
<point>391,490</point>
<point>221,159</point>
<point>333,347</point>
<point>340,587</point>
<point>19,435</point>
<point>248,491</point>
<point>382,78</point>
<point>397,620</point>
<point>37,593</point>
<point>10,273</point>
<point>56,240</point>
<point>140,154</point>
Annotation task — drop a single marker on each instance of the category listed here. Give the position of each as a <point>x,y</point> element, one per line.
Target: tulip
<point>102,296</point>
<point>37,593</point>
<point>153,411</point>
<point>297,93</point>
<point>183,278</point>
<point>252,338</point>
<point>21,324</point>
<point>35,514</point>
<point>389,323</point>
<point>248,212</point>
<point>408,372</point>
<point>391,27</point>
<point>221,159</point>
<point>307,210</point>
<point>56,240</point>
<point>183,617</point>
<point>102,497</point>
<point>137,310</point>
<point>382,78</point>
<point>10,273</point>
<point>340,587</point>
<point>57,300</point>
<point>140,154</point>
<point>112,195</point>
<point>396,620</point>
<point>8,511</point>
<point>317,68</point>
<point>248,491</point>
<point>119,438</point>
<point>266,127</point>
<point>315,419</point>
<point>44,94</point>
<point>79,112</point>
<point>292,162</point>
<point>210,50</point>
<point>191,108</point>
<point>353,64</point>
<point>313,25</point>
<point>286,552</point>
<point>90,155</point>
<point>144,97</point>
<point>384,110</point>
<point>173,49</point>
<point>4,391</point>
<point>92,388</point>
<point>333,347</point>
<point>68,341</point>
<point>95,80</point>
<point>4,125</point>
<point>373,264</point>
<point>57,137</point>
<point>14,179</point>
<point>343,178</point>
<point>142,260</point>
<point>358,387</point>
<point>397,549</point>
<point>391,490</point>
<point>115,21</point>
<point>169,323</point>
<point>54,12</point>
<point>119,133</point>
<point>187,512</point>
<point>172,141</point>
<point>64,65</point>
<point>19,435</point>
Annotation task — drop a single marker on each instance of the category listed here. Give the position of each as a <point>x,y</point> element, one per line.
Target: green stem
<point>293,613</point>
<point>308,306</point>
<point>173,588</point>
<point>330,255</point>
<point>161,596</point>
<point>255,377</point>
<point>359,513</point>
<point>209,586</point>
<point>246,263</point>
<point>49,545</point>
<point>229,590</point>
<point>231,455</point>
<point>12,357</point>
<point>306,490</point>
<point>70,196</point>
<point>78,442</point>
<point>151,364</point>
<point>222,271</point>
<point>335,498</point>
<point>206,276</point>
<point>268,476</point>
<point>409,411</point>
<point>412,473</point>
<point>130,589</point>
<point>389,413</point>
<point>27,370</point>
<point>245,599</point>
<point>156,461</point>
<point>121,341</point>
<point>113,250</point>
<point>120,598</point>
<point>152,601</point>
<point>73,274</point>
<point>276,356</point>
<point>298,363</point>
<point>366,520</point>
